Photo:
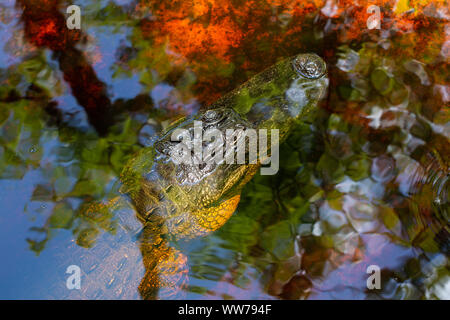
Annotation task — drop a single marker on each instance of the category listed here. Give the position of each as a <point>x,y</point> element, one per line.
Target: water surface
<point>364,181</point>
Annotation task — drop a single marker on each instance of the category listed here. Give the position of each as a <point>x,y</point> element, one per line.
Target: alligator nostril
<point>310,66</point>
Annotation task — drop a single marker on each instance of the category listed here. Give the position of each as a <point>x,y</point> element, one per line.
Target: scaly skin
<point>191,195</point>
<point>179,201</point>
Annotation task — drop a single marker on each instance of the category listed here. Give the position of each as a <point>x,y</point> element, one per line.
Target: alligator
<point>175,201</point>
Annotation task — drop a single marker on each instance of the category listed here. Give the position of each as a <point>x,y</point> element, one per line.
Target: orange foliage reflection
<point>246,33</point>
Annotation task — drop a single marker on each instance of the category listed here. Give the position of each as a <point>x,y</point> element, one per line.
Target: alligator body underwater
<point>175,201</point>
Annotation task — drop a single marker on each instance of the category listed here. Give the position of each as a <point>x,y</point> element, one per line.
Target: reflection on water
<point>363,182</point>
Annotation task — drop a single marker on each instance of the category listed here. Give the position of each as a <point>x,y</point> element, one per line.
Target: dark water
<point>363,182</point>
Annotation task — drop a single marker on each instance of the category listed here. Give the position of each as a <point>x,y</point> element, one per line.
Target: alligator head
<point>191,193</point>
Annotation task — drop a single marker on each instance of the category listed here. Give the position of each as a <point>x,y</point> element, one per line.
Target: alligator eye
<point>212,115</point>
<point>310,66</point>
<point>165,147</point>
